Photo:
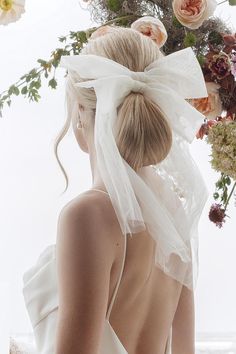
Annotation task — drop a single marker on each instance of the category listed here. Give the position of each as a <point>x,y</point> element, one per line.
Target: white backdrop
<point>31,182</point>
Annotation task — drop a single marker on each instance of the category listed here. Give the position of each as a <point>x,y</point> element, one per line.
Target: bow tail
<point>110,163</point>
<point>135,204</point>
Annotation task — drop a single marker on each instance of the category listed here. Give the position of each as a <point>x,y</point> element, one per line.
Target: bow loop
<point>168,81</point>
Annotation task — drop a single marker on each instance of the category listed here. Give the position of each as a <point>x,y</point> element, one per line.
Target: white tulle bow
<point>150,198</point>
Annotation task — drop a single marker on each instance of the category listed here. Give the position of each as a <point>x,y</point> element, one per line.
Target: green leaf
<point>216,195</point>
<point>37,84</point>
<point>228,180</point>
<point>13,90</point>
<point>28,78</point>
<point>52,83</point>
<point>23,77</point>
<point>201,59</point>
<point>114,5</point>
<point>176,22</point>
<point>190,39</point>
<point>55,63</point>
<point>31,85</point>
<point>42,62</point>
<point>16,91</point>
<point>33,73</point>
<point>83,36</point>
<point>62,39</point>
<point>219,184</point>
<point>215,38</point>
<point>232,2</point>
<point>24,90</point>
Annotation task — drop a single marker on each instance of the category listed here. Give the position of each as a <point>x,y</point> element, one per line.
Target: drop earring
<point>79,124</point>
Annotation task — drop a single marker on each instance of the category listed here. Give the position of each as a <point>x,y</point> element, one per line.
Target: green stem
<point>20,83</point>
<point>40,70</point>
<point>230,195</point>
<point>222,2</point>
<point>128,17</point>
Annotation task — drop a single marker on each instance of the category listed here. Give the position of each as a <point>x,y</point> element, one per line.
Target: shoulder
<point>85,254</point>
<point>86,204</point>
<point>86,223</point>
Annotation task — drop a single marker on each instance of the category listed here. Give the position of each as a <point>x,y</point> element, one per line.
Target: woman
<point>106,273</point>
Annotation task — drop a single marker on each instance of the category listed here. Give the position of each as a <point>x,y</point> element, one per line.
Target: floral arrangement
<point>173,25</point>
<point>219,128</point>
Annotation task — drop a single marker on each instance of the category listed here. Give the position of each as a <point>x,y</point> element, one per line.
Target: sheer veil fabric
<point>167,199</point>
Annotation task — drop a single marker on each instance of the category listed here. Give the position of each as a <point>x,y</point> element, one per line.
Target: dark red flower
<point>205,128</point>
<point>217,214</point>
<point>220,65</point>
<point>202,131</point>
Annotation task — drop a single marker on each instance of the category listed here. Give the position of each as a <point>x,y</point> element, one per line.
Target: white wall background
<point>31,182</point>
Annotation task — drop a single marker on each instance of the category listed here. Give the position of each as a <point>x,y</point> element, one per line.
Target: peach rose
<point>192,13</point>
<point>151,27</point>
<point>210,106</point>
<point>101,31</point>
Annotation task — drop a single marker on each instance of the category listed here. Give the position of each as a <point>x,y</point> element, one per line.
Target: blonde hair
<point>143,135</point>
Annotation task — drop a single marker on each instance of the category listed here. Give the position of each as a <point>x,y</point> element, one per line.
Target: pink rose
<point>151,27</point>
<point>192,13</point>
<point>210,106</point>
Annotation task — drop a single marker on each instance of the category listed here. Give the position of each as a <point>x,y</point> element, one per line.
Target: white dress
<point>41,299</point>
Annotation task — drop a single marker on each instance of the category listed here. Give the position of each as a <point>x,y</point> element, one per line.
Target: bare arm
<point>183,326</point>
<point>84,259</point>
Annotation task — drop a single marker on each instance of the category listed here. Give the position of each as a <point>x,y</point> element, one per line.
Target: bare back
<point>148,304</point>
<point>147,298</point>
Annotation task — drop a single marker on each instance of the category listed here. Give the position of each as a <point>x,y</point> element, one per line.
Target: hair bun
<point>143,134</point>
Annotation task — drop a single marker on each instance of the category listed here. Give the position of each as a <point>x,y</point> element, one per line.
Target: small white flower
<point>11,10</point>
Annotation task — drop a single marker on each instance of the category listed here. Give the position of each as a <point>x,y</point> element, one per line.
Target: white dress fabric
<point>41,299</point>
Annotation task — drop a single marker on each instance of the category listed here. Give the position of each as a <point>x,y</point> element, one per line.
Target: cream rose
<point>11,10</point>
<point>192,13</point>
<point>151,27</point>
<point>210,106</point>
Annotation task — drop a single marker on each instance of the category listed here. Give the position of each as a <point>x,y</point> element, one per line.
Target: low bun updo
<point>143,134</point>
